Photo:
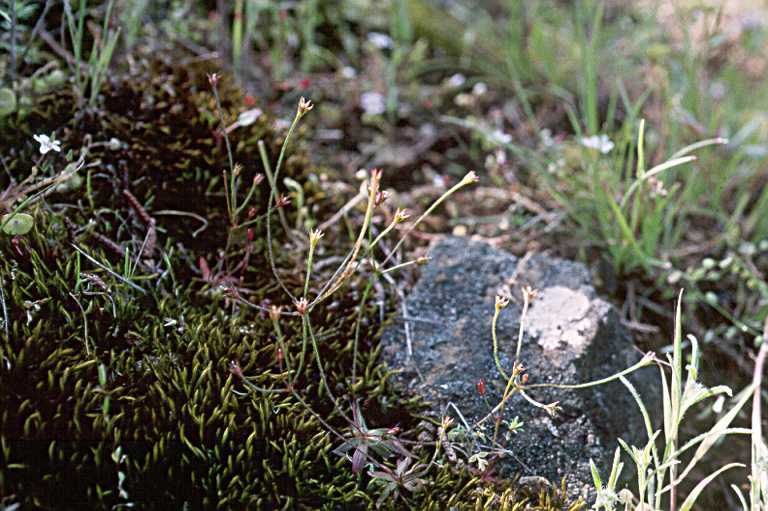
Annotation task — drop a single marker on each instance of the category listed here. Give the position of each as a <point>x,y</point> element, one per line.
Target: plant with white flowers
<point>48,144</point>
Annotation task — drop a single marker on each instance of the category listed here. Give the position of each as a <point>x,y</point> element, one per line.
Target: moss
<point>168,399</point>
<point>118,385</point>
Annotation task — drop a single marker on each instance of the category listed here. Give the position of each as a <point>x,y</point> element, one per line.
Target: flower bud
<point>529,293</point>
<point>282,201</point>
<point>381,198</point>
<point>401,215</point>
<point>305,106</point>
<point>470,178</point>
<point>235,368</point>
<point>480,386</point>
<point>301,306</point>
<point>314,237</point>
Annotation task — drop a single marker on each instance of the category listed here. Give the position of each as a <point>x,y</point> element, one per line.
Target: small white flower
<point>348,72</point>
<point>248,117</point>
<point>599,142</point>
<point>546,138</point>
<point>380,41</point>
<point>372,103</point>
<point>500,138</point>
<point>479,89</point>
<point>47,143</point>
<point>457,80</point>
<point>464,99</point>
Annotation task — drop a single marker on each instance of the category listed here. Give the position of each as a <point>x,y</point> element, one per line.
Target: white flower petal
<point>380,41</point>
<point>373,103</point>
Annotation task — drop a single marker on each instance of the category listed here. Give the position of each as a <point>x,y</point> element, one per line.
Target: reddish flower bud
<point>282,201</point>
<point>16,243</point>
<point>249,234</point>
<point>481,387</point>
<point>381,198</point>
<point>204,269</point>
<point>235,369</point>
<point>302,305</point>
<point>249,100</point>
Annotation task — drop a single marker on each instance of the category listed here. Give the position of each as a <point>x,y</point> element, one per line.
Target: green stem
<point>429,210</point>
<point>319,362</point>
<point>400,266</point>
<point>496,359</point>
<point>647,359</point>
<point>309,267</point>
<point>356,342</point>
<point>303,353</point>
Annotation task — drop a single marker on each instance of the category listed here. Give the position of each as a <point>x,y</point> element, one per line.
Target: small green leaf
<point>16,224</point>
<point>7,102</point>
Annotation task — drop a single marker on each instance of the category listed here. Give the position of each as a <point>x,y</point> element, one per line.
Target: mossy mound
<point>92,364</point>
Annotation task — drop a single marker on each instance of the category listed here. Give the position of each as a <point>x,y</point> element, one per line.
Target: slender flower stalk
<point>314,239</point>
<point>528,295</point>
<point>304,107</point>
<point>501,303</point>
<point>401,215</point>
<point>468,179</point>
<point>419,261</point>
<point>349,265</point>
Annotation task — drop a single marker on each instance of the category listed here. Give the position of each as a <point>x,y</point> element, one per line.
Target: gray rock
<point>571,336</point>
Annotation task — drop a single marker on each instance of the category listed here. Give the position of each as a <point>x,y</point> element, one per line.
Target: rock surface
<point>571,336</point>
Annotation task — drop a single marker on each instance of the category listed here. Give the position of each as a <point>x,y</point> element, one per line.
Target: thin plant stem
<point>500,304</point>
<point>303,108</point>
<point>14,22</point>
<point>528,295</point>
<point>303,353</point>
<point>38,26</point>
<point>5,310</point>
<point>758,445</point>
<point>281,342</point>
<point>402,265</point>
<point>382,234</point>
<point>319,360</point>
<point>647,360</point>
<point>358,323</point>
<point>504,397</point>
<point>220,113</point>
<point>470,178</point>
<point>349,265</point>
<point>309,268</point>
<point>271,179</point>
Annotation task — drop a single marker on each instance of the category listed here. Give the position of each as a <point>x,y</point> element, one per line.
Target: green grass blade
<point>690,500</point>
